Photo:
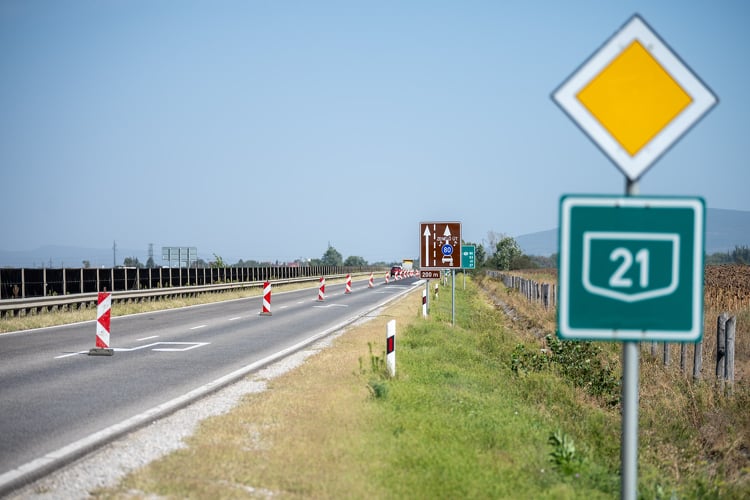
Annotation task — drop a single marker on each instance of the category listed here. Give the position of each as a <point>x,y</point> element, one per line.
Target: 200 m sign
<point>631,268</point>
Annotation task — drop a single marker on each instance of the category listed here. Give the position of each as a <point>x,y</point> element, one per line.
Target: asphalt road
<point>57,402</point>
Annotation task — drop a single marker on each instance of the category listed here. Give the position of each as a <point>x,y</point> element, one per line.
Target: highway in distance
<point>57,402</point>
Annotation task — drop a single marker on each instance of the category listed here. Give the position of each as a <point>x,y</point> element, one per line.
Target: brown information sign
<point>440,244</point>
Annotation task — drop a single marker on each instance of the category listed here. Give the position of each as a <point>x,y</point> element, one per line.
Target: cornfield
<point>727,288</point>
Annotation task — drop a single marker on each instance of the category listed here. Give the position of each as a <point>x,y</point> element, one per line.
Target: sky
<point>268,130</point>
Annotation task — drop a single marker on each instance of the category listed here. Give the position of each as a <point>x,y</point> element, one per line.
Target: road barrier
<point>266,307</point>
<point>103,315</point>
<point>322,289</point>
<point>348,288</point>
<point>35,305</point>
<point>371,282</point>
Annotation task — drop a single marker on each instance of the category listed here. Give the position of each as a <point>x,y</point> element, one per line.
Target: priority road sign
<point>634,98</point>
<point>631,268</point>
<point>439,245</point>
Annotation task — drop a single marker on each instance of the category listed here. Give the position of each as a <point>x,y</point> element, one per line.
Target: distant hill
<point>725,229</point>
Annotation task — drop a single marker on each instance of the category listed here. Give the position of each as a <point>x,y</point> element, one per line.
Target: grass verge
<point>456,421</point>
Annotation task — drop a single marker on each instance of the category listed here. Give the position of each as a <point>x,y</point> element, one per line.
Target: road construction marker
<point>103,314</point>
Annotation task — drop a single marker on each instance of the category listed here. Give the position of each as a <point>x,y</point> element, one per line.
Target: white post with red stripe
<point>103,315</point>
<point>390,347</point>
<point>348,288</point>
<point>322,289</point>
<point>387,277</point>
<point>266,308</point>
<point>424,303</point>
<point>371,283</point>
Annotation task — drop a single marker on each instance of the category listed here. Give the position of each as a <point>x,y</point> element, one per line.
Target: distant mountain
<point>725,229</point>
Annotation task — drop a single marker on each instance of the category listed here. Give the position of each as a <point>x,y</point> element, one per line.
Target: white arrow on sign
<point>426,235</point>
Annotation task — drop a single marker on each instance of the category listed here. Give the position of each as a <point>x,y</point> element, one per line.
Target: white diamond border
<point>703,98</point>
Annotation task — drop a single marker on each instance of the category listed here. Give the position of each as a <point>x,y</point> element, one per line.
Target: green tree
<point>332,257</point>
<point>480,256</point>
<point>218,262</point>
<point>506,251</point>
<point>354,261</point>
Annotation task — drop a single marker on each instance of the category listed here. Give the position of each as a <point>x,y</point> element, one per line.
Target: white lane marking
<point>235,318</point>
<point>198,327</point>
<point>283,307</point>
<point>148,338</point>
<point>332,305</point>
<point>71,354</point>
<point>192,345</point>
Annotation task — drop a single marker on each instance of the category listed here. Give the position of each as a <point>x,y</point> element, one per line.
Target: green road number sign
<point>467,256</point>
<point>631,268</point>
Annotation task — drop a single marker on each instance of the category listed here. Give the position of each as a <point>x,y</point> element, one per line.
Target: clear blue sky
<point>265,130</point>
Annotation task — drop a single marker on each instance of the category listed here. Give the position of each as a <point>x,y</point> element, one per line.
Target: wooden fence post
<point>731,326</point>
<point>697,360</point>
<point>721,345</point>
<point>683,356</point>
<point>666,354</point>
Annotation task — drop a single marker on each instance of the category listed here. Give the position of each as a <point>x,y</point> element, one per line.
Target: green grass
<point>457,423</point>
<point>459,420</point>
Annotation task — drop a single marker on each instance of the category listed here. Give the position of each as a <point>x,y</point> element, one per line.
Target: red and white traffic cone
<point>322,290</point>
<point>266,308</point>
<point>371,283</point>
<point>103,314</point>
<point>348,288</point>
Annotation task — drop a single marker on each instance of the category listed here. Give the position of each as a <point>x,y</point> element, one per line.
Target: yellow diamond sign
<point>634,98</point>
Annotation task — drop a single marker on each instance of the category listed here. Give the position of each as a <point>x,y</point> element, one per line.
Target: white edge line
<point>38,467</point>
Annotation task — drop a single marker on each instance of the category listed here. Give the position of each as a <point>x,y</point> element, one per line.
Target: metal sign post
<point>634,98</point>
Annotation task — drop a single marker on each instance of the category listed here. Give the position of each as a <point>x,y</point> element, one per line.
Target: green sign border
<point>473,253</point>
<point>692,333</point>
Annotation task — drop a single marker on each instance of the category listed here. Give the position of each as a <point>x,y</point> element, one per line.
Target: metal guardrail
<point>12,307</point>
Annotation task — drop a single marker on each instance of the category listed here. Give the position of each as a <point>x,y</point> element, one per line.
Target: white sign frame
<point>703,98</point>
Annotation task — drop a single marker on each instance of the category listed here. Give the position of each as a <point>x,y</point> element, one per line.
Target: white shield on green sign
<point>631,268</point>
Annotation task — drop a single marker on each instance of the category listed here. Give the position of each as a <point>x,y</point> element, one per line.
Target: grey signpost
<point>634,98</point>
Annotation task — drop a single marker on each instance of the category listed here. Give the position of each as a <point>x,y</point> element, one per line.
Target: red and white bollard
<point>322,289</point>
<point>371,283</point>
<point>348,288</point>
<point>266,308</point>
<point>103,314</point>
<point>387,277</point>
<point>424,303</point>
<point>390,347</point>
